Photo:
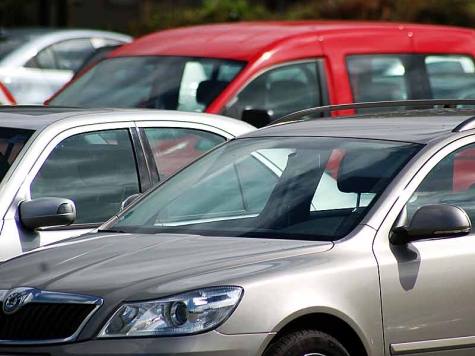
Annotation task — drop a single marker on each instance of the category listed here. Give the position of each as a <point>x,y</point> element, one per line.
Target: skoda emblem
<point>18,297</point>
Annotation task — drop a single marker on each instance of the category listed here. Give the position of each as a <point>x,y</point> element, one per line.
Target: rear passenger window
<point>451,77</point>
<point>96,170</point>
<point>280,91</point>
<point>389,77</point>
<point>377,78</point>
<point>173,148</point>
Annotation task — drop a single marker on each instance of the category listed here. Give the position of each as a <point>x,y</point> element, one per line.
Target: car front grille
<point>36,321</point>
<point>29,316</point>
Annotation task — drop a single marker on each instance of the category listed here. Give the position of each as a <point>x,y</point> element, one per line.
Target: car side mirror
<point>256,118</point>
<point>433,221</point>
<point>129,200</point>
<point>46,212</point>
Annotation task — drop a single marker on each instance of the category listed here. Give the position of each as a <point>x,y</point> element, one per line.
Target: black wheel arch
<point>326,323</point>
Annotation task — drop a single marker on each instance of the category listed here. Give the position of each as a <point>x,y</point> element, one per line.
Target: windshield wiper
<point>112,230</point>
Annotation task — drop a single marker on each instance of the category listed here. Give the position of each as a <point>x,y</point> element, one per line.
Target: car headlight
<point>186,313</point>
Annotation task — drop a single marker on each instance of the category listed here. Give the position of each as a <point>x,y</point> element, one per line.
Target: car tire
<point>306,343</point>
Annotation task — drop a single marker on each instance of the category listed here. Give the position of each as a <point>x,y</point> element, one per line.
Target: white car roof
<point>40,39</point>
<point>39,117</point>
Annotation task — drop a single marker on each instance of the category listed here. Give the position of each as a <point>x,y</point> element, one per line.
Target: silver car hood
<point>122,265</point>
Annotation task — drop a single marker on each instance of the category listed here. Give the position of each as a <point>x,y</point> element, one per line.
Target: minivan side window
<point>377,78</point>
<point>280,91</point>
<point>451,181</point>
<point>96,170</point>
<point>451,76</point>
<point>389,77</point>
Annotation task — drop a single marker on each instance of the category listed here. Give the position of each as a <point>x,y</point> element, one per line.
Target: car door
<point>172,145</point>
<point>97,168</point>
<point>427,286</point>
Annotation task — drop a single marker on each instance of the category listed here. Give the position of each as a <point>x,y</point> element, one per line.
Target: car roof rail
<point>444,103</point>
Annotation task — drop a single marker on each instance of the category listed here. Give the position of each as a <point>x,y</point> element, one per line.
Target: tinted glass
<point>71,54</point>
<point>44,60</point>
<point>451,77</point>
<point>280,91</point>
<point>172,83</point>
<point>96,170</point>
<point>173,148</point>
<point>96,56</point>
<point>12,142</point>
<point>391,77</point>
<point>274,188</point>
<point>451,181</point>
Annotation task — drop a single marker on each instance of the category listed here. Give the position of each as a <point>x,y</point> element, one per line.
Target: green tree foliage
<point>212,11</point>
<point>444,12</point>
<point>449,12</point>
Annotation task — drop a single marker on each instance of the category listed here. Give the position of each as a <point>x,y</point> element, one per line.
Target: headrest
<point>208,90</point>
<point>367,171</point>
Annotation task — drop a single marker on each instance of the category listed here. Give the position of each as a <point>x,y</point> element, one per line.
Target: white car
<point>76,167</point>
<point>35,63</point>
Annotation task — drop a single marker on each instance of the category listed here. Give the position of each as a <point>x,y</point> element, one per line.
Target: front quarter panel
<point>342,282</point>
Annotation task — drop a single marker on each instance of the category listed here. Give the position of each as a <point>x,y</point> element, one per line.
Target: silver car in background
<point>35,63</point>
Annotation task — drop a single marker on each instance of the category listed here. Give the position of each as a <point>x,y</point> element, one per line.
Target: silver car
<point>83,164</point>
<point>35,63</point>
<point>232,255</point>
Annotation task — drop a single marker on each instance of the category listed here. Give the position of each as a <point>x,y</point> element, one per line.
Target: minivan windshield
<point>281,187</point>
<point>157,82</point>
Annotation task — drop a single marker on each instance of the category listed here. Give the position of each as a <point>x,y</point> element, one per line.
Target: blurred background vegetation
<point>449,12</point>
<point>138,17</point>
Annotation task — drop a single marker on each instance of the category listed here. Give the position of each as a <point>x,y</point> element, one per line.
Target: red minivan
<point>239,69</point>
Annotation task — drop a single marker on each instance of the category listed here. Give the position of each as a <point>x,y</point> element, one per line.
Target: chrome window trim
<point>451,344</point>
<point>48,297</point>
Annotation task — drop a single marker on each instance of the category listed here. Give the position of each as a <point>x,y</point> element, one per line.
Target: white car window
<point>96,170</point>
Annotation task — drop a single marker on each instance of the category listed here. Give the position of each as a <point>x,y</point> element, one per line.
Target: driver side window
<point>280,91</point>
<point>96,170</point>
<point>451,181</point>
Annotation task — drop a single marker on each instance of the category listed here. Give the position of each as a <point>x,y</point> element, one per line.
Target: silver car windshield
<point>300,188</point>
<point>158,82</point>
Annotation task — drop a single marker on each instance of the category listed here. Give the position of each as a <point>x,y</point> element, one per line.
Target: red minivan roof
<point>246,40</point>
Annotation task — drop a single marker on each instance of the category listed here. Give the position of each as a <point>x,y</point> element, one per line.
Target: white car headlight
<point>186,313</point>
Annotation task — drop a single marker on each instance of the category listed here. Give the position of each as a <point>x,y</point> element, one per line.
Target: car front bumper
<point>211,343</point>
